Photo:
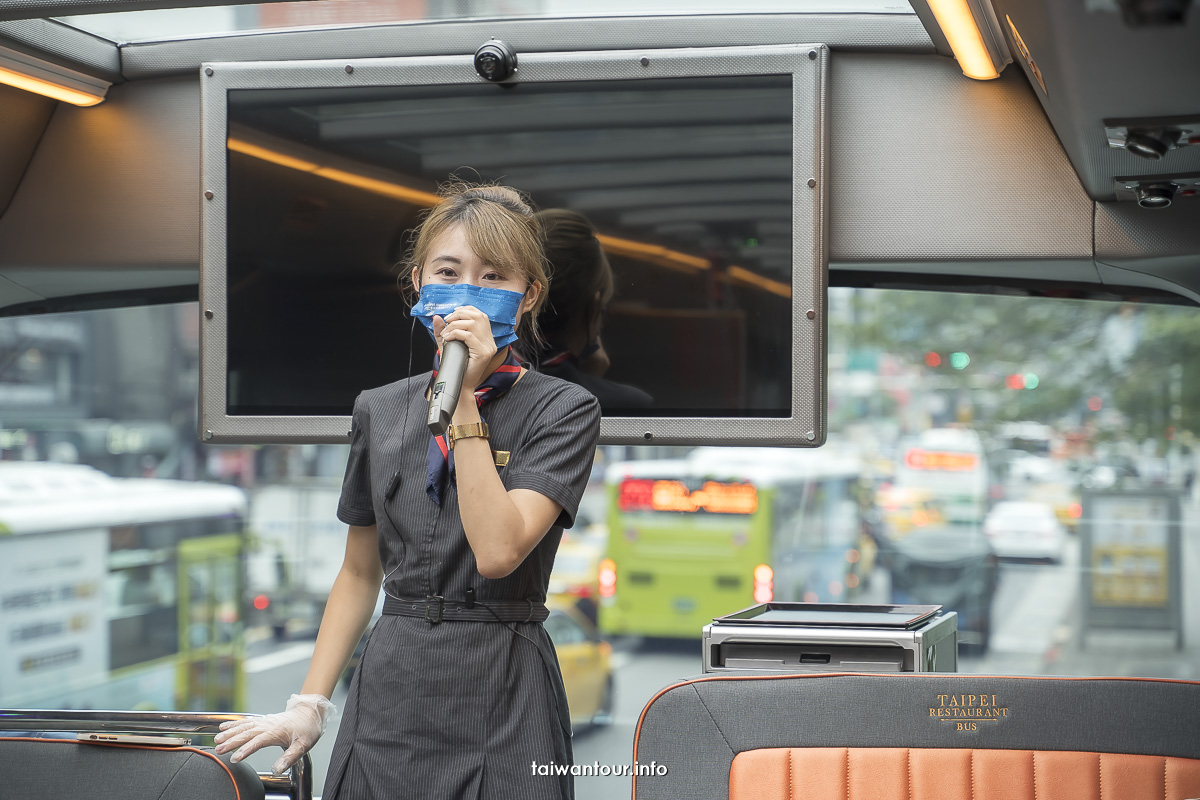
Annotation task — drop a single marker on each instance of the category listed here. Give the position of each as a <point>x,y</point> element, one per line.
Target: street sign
<point>1131,560</point>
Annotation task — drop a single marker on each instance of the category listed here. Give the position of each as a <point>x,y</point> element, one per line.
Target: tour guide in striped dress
<point>459,690</point>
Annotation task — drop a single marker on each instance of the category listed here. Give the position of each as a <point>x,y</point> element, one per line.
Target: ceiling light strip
<point>957,22</point>
<point>45,78</point>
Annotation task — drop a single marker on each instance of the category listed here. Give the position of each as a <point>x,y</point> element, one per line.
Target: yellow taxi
<point>576,571</point>
<point>585,660</point>
<point>1062,498</point>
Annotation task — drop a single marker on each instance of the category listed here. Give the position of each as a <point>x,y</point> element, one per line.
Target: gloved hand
<point>296,729</point>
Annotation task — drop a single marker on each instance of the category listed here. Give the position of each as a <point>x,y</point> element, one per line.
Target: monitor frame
<point>808,65</point>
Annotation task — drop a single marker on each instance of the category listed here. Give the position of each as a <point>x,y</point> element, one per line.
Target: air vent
<point>1157,191</point>
<point>1152,139</point>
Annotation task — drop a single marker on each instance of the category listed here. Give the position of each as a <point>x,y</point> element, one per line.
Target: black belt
<point>435,609</point>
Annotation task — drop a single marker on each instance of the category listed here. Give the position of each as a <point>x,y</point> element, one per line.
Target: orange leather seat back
<point>876,773</point>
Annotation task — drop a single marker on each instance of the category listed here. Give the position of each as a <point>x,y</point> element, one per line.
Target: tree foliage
<point>1078,349</point>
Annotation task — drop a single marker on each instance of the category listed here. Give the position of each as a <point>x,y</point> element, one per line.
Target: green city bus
<point>724,528</point>
<point>121,594</point>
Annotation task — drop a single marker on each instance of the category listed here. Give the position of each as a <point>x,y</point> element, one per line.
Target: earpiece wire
<point>412,332</point>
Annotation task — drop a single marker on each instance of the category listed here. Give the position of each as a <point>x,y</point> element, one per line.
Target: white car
<point>1025,530</point>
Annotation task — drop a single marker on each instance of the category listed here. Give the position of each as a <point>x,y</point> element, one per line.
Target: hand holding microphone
<point>468,349</point>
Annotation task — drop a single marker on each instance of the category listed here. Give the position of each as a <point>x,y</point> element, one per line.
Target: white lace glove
<point>296,729</point>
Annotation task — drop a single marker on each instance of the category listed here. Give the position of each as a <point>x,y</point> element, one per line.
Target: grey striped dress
<point>458,709</point>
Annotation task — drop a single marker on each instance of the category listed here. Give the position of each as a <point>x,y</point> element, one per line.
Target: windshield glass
<point>133,26</point>
<point>120,588</point>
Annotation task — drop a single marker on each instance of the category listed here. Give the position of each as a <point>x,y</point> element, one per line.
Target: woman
<point>583,287</point>
<point>458,691</point>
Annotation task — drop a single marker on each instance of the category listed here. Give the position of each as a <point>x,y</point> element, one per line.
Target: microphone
<point>444,397</point>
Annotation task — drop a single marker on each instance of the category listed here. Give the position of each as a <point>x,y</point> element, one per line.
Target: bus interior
<point>993,206</point>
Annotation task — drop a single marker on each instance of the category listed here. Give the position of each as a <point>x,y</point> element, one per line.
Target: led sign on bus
<point>713,497</point>
<point>947,462</point>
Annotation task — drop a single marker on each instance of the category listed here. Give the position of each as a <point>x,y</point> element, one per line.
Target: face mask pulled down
<point>500,306</point>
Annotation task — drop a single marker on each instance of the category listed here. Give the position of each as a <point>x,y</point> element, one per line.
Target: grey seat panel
<point>54,769</point>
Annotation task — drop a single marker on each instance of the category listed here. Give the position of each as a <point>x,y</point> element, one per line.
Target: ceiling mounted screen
<point>698,318</point>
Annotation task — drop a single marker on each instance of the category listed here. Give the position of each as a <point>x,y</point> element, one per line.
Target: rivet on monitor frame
<point>349,69</point>
<point>208,313</point>
<point>812,183</point>
<point>208,71</point>
<point>811,314</point>
<point>645,61</point>
<point>647,435</point>
<point>812,55</point>
<point>208,434</point>
<point>811,435</point>
<point>208,195</point>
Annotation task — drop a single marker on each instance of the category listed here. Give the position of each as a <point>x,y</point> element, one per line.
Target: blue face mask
<point>500,305</point>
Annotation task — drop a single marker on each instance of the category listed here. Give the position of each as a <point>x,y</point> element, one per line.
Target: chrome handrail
<point>297,784</point>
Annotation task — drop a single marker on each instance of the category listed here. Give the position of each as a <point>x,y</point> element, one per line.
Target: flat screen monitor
<point>698,318</point>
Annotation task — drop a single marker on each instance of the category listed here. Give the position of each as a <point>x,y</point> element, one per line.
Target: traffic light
<point>959,360</point>
<point>932,359</point>
<point>1028,380</point>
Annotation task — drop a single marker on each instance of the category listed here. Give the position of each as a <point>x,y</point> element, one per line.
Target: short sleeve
<point>355,506</point>
<point>556,460</point>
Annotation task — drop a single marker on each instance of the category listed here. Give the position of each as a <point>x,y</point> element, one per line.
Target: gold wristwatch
<point>471,430</point>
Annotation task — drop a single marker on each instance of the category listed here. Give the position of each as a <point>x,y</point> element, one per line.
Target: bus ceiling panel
<point>927,165</point>
<point>1114,290</point>
<point>1125,232</point>
<point>54,282</point>
<point>1163,244</point>
<point>112,187</point>
<point>886,32</point>
<point>14,294</point>
<point>1087,66</point>
<point>34,9</point>
<point>965,179</point>
<point>997,271</point>
<point>129,298</point>
<point>23,119</point>
<point>1175,276</point>
<point>61,44</point>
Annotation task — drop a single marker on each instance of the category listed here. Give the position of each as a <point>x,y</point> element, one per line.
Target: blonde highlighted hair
<point>500,228</point>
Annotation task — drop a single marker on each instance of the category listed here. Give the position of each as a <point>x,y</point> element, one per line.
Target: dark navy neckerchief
<point>439,460</point>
